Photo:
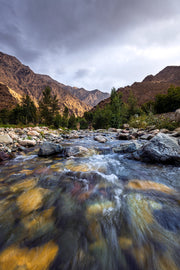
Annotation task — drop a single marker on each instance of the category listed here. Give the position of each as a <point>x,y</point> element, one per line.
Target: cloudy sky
<point>92,43</point>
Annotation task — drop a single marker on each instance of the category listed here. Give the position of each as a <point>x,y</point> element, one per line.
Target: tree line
<point>114,114</point>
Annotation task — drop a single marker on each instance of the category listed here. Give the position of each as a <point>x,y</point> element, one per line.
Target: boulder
<point>48,149</point>
<point>5,156</point>
<point>27,143</point>
<point>127,147</point>
<point>33,133</point>
<point>161,149</point>
<point>177,115</point>
<point>6,139</point>
<point>123,136</point>
<point>100,139</point>
<point>76,151</point>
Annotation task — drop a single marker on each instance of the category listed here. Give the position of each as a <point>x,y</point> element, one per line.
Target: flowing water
<point>100,212</point>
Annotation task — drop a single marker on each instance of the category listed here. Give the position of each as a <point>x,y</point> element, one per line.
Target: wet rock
<point>100,139</point>
<point>149,185</point>
<point>38,258</point>
<point>125,242</point>
<point>48,149</point>
<point>6,139</point>
<point>31,200</point>
<point>127,147</point>
<point>146,136</point>
<point>99,208</point>
<point>5,156</point>
<point>76,151</point>
<point>123,136</point>
<point>161,149</point>
<point>27,143</point>
<point>177,115</point>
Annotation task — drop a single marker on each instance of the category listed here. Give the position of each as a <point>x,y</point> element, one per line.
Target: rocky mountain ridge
<point>22,80</point>
<point>151,86</point>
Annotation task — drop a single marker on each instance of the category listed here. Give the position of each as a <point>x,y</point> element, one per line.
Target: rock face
<point>7,100</point>
<point>91,98</point>
<point>150,86</point>
<point>23,81</point>
<point>48,149</point>
<point>161,149</point>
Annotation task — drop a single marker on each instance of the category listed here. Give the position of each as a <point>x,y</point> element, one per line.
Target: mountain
<point>7,99</point>
<point>22,80</point>
<point>151,86</point>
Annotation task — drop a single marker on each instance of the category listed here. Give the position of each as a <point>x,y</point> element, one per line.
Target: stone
<point>48,149</point>
<point>100,139</point>
<point>177,115</point>
<point>76,151</point>
<point>30,200</point>
<point>6,139</point>
<point>125,242</point>
<point>39,258</point>
<point>123,136</point>
<point>13,135</point>
<point>161,149</point>
<point>146,136</point>
<point>27,143</point>
<point>33,133</point>
<point>5,156</point>
<point>127,147</point>
<point>149,185</point>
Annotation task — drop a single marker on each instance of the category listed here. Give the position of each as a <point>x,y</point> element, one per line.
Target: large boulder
<point>48,149</point>
<point>161,149</point>
<point>177,115</point>
<point>6,139</point>
<point>76,151</point>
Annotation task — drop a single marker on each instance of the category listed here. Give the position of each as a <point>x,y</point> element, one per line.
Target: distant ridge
<point>22,80</point>
<point>151,86</point>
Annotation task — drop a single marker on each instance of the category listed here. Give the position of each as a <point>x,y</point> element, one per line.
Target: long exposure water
<point>101,211</point>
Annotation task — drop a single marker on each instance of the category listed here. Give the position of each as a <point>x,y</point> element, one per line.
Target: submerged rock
<point>149,185</point>
<point>76,151</point>
<point>5,156</point>
<point>48,149</point>
<point>161,149</point>
<point>38,258</point>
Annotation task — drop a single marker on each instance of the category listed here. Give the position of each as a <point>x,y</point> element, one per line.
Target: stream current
<point>101,211</point>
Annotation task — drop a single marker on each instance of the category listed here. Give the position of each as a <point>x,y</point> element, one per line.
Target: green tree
<point>72,122</point>
<point>29,110</point>
<point>48,106</point>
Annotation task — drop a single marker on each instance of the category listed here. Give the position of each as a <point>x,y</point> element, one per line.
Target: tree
<point>72,122</point>
<point>28,110</point>
<point>48,106</point>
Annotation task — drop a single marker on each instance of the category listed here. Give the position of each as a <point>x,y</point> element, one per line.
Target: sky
<point>94,44</point>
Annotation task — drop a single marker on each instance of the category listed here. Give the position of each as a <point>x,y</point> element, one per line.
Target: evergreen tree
<point>28,110</point>
<point>48,106</point>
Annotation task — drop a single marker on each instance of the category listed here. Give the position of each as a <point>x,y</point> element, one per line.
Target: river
<point>101,211</point>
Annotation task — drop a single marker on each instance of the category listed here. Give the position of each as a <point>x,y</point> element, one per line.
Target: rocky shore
<point>150,145</point>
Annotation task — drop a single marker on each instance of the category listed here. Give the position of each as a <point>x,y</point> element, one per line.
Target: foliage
<point>72,122</point>
<point>168,102</point>
<point>159,122</point>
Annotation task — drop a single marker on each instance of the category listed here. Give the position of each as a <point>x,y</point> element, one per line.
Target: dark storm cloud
<point>72,31</point>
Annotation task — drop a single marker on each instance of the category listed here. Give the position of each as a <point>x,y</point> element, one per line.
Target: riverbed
<point>99,211</point>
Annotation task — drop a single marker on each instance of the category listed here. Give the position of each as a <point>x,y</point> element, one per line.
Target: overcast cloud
<point>92,43</point>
